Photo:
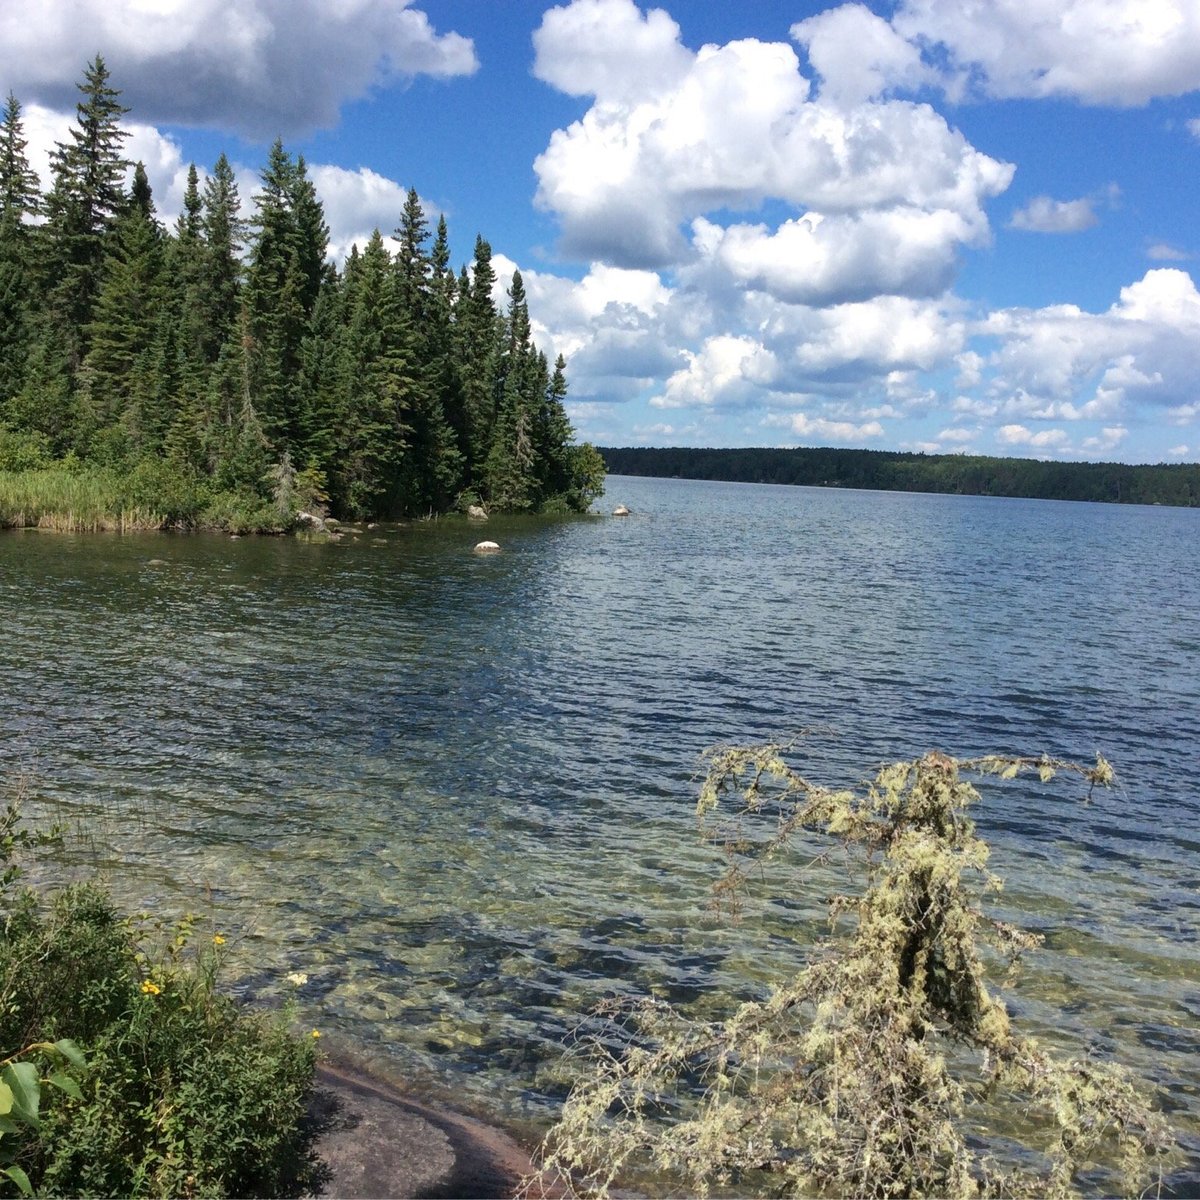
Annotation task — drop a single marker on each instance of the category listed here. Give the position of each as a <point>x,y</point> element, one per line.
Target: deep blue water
<point>455,792</point>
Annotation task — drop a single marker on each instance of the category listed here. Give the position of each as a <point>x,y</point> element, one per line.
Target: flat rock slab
<point>374,1141</point>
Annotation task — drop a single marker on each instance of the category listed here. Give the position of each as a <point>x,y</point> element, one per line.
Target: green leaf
<point>6,1099</point>
<point>71,1052</point>
<point>19,1178</point>
<point>22,1078</point>
<point>65,1083</point>
<point>8,1125</point>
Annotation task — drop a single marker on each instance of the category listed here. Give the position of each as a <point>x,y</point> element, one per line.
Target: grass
<point>74,498</point>
<point>87,500</point>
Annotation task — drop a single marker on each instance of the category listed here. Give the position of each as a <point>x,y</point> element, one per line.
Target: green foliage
<point>866,1074</point>
<point>133,1075</point>
<point>227,346</point>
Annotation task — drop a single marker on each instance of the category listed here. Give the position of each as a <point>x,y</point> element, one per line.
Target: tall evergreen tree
<point>20,200</point>
<point>122,331</point>
<point>223,232</point>
<point>479,344</point>
<point>380,377</point>
<point>84,202</point>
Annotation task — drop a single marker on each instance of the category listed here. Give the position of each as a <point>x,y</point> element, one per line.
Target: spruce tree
<point>222,231</point>
<point>121,334</point>
<point>85,200</point>
<point>20,200</point>
<point>479,330</point>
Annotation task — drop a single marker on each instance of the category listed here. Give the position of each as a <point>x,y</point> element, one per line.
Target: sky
<point>964,226</point>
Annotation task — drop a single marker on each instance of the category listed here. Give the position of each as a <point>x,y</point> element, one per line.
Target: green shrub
<point>162,486</point>
<point>242,512</point>
<point>184,1093</point>
<point>24,451</point>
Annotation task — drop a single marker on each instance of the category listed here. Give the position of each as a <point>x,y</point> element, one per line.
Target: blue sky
<point>943,225</point>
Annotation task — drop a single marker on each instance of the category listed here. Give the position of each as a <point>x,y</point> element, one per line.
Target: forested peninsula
<point>226,374</point>
<point>896,471</point>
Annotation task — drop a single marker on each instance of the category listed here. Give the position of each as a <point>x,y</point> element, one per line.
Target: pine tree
<point>511,469</point>
<point>287,265</point>
<point>121,334</point>
<point>20,200</point>
<point>379,378</point>
<point>479,329</point>
<point>86,198</point>
<point>222,232</point>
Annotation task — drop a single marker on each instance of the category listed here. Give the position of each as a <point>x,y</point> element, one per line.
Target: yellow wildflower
<point>218,939</point>
<point>150,988</point>
<point>316,1033</point>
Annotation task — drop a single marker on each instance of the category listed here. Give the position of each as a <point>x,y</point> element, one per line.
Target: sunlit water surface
<point>456,792</point>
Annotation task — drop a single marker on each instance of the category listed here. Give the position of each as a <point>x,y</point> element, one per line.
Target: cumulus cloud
<point>820,260</point>
<point>1194,127</point>
<point>1044,439</point>
<point>260,67</point>
<point>727,371</point>
<point>1119,52</point>
<point>609,49</point>
<point>727,128</point>
<point>1045,215</point>
<point>822,430</point>
<point>858,55</point>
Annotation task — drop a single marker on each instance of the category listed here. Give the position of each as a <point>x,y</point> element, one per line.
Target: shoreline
<point>375,1139</point>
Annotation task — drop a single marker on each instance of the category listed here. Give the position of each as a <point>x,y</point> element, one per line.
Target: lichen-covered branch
<point>865,1073</point>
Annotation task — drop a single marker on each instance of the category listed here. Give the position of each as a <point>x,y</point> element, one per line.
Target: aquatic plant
<point>877,1069</point>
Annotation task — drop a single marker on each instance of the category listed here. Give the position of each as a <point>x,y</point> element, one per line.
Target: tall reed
<point>87,500</point>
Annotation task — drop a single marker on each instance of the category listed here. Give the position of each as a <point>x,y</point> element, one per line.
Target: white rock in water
<point>620,511</point>
<point>487,547</point>
<point>476,513</point>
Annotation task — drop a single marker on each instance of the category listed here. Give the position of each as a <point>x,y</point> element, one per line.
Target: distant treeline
<point>886,470</point>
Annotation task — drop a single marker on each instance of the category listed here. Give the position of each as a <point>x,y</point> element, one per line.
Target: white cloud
<point>1194,127</point>
<point>957,434</point>
<point>858,55</point>
<point>260,67</point>
<point>1178,451</point>
<point>609,49</point>
<point>728,127</point>
<point>1165,252</point>
<point>819,260</point>
<point>820,429</point>
<point>1019,435</point>
<point>1106,441</point>
<point>1044,215</point>
<point>727,371</point>
<point>1122,52</point>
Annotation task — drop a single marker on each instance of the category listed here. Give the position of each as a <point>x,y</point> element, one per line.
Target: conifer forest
<point>226,373</point>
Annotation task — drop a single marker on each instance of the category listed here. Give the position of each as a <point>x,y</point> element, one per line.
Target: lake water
<point>456,792</point>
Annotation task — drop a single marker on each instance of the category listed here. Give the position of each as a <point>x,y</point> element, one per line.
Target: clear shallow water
<point>457,792</point>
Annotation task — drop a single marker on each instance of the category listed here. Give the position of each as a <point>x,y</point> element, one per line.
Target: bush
<point>184,1092</point>
<point>243,512</point>
<point>866,1074</point>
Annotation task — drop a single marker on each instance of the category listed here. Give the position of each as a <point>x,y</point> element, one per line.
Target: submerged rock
<point>621,511</point>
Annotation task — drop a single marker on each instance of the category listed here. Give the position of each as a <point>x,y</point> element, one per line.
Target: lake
<point>457,792</point>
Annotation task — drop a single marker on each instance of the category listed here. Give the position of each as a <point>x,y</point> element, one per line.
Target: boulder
<point>486,547</point>
<point>476,513</point>
<point>620,511</point>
